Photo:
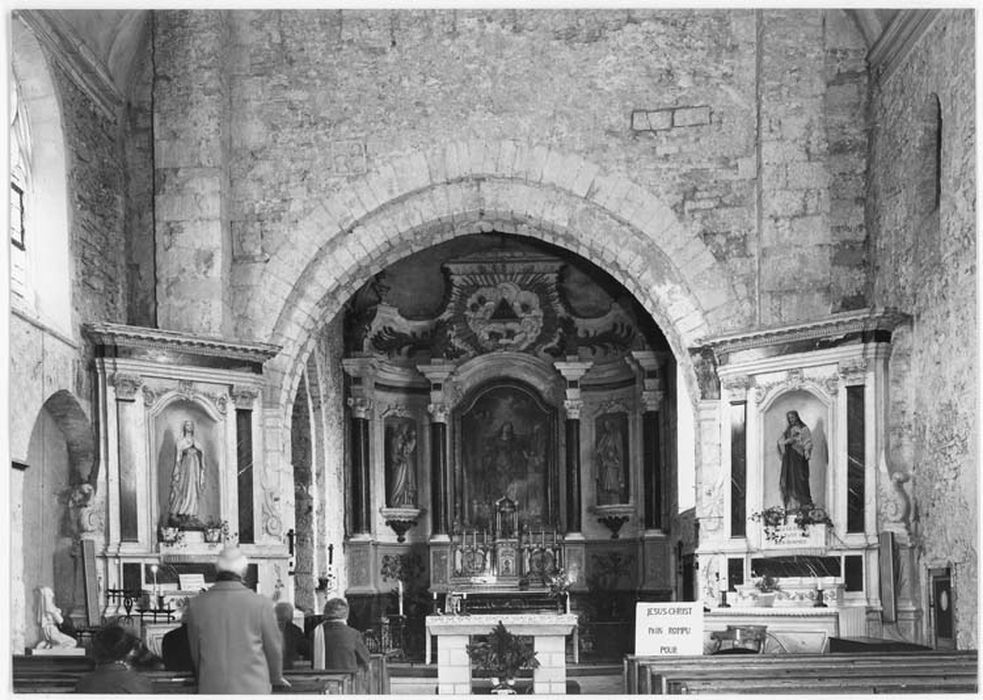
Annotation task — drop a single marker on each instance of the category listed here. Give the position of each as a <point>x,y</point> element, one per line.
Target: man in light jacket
<point>236,645</point>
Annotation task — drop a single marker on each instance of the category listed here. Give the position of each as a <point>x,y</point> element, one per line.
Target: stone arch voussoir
<point>426,197</point>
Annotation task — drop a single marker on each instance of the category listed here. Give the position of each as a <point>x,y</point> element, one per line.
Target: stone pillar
<point>550,678</point>
<point>647,365</point>
<point>362,371</point>
<point>193,243</point>
<point>572,371</point>
<point>438,373</point>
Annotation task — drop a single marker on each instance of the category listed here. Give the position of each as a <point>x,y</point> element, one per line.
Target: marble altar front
<point>454,632</point>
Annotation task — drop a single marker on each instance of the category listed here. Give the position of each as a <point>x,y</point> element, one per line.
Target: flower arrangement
<point>502,653</point>
<point>557,581</point>
<point>216,530</point>
<point>767,584</point>
<point>170,535</point>
<point>775,517</point>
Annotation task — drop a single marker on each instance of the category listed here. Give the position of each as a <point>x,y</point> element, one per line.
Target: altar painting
<point>506,451</point>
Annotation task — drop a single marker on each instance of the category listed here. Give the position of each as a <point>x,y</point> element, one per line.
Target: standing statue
<point>610,458</point>
<point>795,448</point>
<point>403,466</point>
<point>49,617</point>
<point>187,479</point>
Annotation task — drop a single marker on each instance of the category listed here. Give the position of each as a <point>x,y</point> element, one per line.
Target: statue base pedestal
<point>55,651</point>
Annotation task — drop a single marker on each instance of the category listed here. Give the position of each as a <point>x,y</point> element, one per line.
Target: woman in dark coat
<point>114,648</point>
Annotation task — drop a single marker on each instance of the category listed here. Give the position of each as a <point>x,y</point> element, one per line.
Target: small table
<point>549,632</point>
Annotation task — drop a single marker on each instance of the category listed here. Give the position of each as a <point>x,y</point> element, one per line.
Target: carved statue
<point>795,448</point>
<point>187,479</point>
<point>403,478</point>
<point>84,514</point>
<point>610,458</point>
<point>49,617</point>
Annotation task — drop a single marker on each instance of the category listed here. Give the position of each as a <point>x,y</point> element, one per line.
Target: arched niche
<point>168,422</point>
<point>45,526</point>
<point>815,410</point>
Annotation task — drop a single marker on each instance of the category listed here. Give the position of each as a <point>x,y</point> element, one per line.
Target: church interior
<point>542,315</point>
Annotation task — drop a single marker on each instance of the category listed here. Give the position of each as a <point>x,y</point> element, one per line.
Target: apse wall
<point>299,105</point>
<point>927,266</point>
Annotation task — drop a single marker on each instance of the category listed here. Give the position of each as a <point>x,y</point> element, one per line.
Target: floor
<point>421,679</point>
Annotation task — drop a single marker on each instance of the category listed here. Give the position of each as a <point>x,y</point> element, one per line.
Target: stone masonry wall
<point>669,99</point>
<point>926,265</point>
<point>139,155</point>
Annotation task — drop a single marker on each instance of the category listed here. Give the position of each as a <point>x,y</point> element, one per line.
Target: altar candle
<point>399,585</point>
<point>153,570</point>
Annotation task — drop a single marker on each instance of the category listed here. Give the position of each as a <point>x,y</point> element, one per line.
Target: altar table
<point>549,632</point>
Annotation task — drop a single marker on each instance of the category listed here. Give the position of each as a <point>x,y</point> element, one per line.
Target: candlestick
<point>330,554</point>
<point>400,588</point>
<point>567,593</point>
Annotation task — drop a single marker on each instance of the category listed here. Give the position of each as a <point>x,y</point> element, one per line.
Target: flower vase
<point>213,535</point>
<point>766,600</point>
<point>503,688</point>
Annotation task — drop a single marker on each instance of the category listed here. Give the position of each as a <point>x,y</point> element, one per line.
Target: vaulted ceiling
<point>114,37</point>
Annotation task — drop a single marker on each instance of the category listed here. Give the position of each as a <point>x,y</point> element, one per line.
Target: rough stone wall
<point>95,191</point>
<point>812,90</point>
<point>668,99</point>
<point>190,143</point>
<point>141,303</point>
<point>939,413</point>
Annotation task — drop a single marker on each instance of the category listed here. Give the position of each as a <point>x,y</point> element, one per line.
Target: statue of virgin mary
<point>187,479</point>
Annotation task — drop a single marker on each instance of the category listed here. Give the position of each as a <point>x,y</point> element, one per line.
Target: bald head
<point>233,561</point>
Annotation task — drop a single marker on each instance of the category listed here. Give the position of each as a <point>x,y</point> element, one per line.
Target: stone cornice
<point>901,34</point>
<point>114,334</point>
<point>70,52</point>
<point>865,320</point>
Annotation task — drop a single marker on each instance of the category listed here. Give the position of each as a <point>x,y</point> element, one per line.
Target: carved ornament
<point>361,407</point>
<point>439,412</point>
<point>126,386</point>
<point>244,396</point>
<point>853,371</point>
<point>737,385</point>
<point>573,407</point>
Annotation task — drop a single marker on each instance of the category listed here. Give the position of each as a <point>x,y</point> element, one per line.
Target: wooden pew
<point>891,672</point>
<point>46,674</point>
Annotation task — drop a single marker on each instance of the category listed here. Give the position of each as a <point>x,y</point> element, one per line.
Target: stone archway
<point>61,465</point>
<point>428,197</point>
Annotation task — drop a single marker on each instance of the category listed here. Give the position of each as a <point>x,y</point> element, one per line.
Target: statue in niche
<point>795,449</point>
<point>49,617</point>
<point>609,455</point>
<point>402,465</point>
<point>187,480</point>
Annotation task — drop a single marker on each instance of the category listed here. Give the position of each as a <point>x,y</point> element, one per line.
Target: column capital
<point>439,412</point>
<point>361,407</point>
<point>573,407</point>
<point>653,400</point>
<point>126,386</point>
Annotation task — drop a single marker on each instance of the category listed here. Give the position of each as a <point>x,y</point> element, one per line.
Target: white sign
<point>192,582</point>
<point>669,629</point>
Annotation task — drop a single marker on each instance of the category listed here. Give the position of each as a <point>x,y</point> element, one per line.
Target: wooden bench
<point>826,673</point>
<point>46,674</point>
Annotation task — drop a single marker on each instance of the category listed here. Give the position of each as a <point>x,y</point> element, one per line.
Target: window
<point>16,216</point>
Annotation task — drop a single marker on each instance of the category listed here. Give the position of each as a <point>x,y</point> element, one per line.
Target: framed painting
<point>507,447</point>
